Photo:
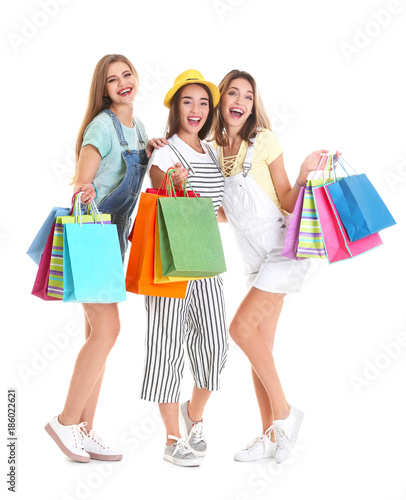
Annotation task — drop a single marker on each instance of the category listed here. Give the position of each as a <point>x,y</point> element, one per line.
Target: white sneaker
<point>194,431</point>
<point>94,446</point>
<point>286,432</point>
<point>69,438</point>
<point>180,453</point>
<point>260,447</point>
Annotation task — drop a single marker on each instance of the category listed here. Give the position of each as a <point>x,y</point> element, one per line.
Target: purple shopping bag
<point>41,280</point>
<point>292,235</point>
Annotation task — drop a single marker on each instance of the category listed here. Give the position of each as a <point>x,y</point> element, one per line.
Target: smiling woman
<point>111,162</point>
<point>198,320</point>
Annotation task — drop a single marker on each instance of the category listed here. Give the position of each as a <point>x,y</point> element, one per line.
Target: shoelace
<point>181,446</point>
<point>197,430</point>
<point>78,431</point>
<point>279,435</point>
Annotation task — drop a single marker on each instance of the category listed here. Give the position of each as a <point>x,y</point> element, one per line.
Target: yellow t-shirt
<point>267,148</point>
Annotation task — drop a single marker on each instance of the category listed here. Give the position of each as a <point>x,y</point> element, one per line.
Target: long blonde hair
<point>258,118</point>
<point>98,98</point>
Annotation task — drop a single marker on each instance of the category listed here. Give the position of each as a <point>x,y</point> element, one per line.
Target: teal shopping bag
<point>92,266</point>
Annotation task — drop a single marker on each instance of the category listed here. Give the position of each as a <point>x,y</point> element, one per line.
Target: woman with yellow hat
<point>198,320</point>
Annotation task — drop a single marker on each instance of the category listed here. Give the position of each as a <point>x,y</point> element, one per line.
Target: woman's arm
<point>88,163</point>
<point>286,194</point>
<point>158,175</point>
<point>221,216</point>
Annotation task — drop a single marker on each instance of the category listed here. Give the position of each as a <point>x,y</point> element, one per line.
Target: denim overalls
<point>121,202</point>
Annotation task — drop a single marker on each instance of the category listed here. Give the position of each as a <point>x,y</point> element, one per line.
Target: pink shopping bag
<point>337,244</point>
<point>292,236</point>
<point>41,280</point>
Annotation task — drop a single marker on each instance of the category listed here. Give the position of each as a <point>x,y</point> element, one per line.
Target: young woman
<point>198,320</point>
<point>256,200</point>
<point>111,162</point>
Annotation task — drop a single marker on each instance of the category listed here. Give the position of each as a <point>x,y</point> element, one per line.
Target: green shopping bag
<point>189,238</point>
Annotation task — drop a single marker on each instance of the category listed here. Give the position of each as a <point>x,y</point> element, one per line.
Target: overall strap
<point>140,139</point>
<point>246,166</point>
<point>119,130</point>
<point>181,158</point>
<point>212,155</point>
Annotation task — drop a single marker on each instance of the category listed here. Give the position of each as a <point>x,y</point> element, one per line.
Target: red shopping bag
<point>41,280</point>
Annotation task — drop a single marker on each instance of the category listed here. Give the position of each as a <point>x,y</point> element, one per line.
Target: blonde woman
<point>111,162</point>
<point>257,198</point>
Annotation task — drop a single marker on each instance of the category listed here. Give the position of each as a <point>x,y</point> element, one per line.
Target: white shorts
<point>260,231</point>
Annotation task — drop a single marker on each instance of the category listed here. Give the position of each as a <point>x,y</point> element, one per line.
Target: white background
<point>331,76</point>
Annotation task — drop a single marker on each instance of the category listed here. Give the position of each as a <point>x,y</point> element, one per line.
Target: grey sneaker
<point>194,431</point>
<point>179,453</point>
<point>286,432</point>
<point>261,447</point>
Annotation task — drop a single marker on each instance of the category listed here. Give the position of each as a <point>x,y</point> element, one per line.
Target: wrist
<point>299,183</point>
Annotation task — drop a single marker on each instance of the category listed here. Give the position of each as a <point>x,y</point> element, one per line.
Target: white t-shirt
<point>204,175</point>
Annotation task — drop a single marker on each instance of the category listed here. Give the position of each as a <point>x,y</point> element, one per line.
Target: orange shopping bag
<point>140,271</point>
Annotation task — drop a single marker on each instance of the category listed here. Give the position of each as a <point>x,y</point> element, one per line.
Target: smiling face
<point>193,108</point>
<point>121,84</point>
<point>237,103</point>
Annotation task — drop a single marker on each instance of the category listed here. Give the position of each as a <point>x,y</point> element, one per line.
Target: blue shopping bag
<point>92,266</point>
<point>38,245</point>
<point>361,209</point>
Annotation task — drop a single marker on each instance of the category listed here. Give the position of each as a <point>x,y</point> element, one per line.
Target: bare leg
<point>170,417</point>
<point>90,407</point>
<point>197,403</point>
<point>267,329</point>
<point>244,330</point>
<point>105,327</point>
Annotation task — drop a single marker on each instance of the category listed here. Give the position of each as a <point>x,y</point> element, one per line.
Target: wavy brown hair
<point>173,124</point>
<point>258,118</point>
<point>98,98</point>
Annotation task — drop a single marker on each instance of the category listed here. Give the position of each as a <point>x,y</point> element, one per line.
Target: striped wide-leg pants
<point>199,321</point>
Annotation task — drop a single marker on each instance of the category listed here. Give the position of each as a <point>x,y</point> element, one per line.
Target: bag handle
<point>93,211</point>
<point>323,158</point>
<point>335,159</point>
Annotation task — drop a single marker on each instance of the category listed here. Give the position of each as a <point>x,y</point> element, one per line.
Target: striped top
<point>204,175</point>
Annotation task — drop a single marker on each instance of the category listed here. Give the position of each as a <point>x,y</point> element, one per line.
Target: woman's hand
<point>89,193</point>
<point>154,144</point>
<point>180,175</point>
<point>310,164</point>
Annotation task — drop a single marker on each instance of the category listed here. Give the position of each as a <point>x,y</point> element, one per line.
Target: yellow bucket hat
<point>186,78</point>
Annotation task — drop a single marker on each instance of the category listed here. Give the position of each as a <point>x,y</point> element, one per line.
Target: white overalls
<point>260,230</point>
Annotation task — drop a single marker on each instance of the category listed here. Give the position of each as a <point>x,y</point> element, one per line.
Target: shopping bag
<point>361,209</point>
<point>292,236</point>
<point>41,280</point>
<point>55,281</point>
<point>92,266</point>
<point>158,277</point>
<point>310,240</point>
<point>189,237</point>
<point>338,246</point>
<point>140,270</point>
<point>38,244</point>
<point>166,192</point>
